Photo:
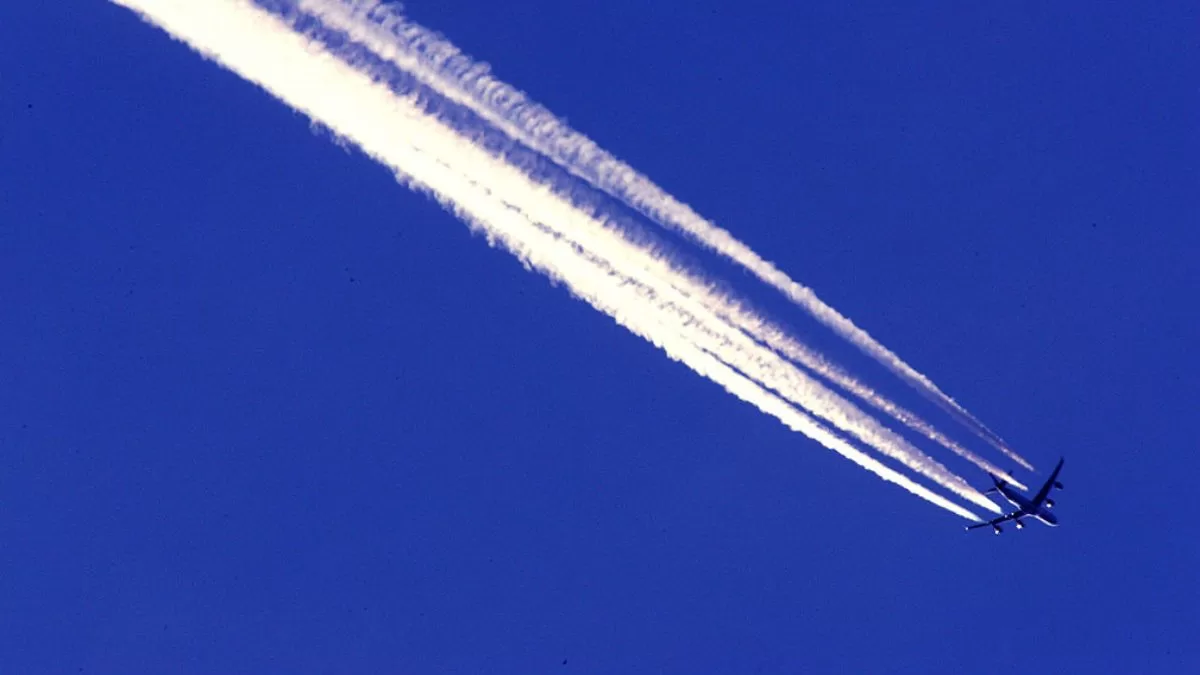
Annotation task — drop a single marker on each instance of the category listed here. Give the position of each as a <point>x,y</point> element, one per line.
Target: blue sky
<point>264,410</point>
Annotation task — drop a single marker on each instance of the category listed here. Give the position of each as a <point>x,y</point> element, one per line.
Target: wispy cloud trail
<point>443,67</point>
<point>480,189</point>
<point>773,372</point>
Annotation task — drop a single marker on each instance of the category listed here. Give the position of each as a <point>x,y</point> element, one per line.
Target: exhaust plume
<point>442,66</point>
<point>639,290</point>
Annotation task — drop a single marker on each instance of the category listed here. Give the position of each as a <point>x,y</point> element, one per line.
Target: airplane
<point>1037,508</point>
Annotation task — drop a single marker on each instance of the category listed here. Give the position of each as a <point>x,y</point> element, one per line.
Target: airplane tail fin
<point>997,483</point>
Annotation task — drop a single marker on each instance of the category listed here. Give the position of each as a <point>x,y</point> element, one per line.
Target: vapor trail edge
<point>287,66</point>
<point>443,66</point>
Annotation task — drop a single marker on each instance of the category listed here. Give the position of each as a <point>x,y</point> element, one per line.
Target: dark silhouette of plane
<point>1037,508</point>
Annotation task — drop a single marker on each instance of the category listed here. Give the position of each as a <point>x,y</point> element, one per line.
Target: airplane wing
<point>1045,491</point>
<point>996,521</point>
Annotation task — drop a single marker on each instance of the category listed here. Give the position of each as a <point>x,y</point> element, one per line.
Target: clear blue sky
<point>264,410</point>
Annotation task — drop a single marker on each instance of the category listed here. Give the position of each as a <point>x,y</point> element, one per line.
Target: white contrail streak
<point>391,129</point>
<point>733,347</point>
<point>767,369</point>
<point>708,331</point>
<point>442,66</point>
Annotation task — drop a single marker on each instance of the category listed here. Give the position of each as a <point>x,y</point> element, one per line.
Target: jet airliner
<point>1037,508</point>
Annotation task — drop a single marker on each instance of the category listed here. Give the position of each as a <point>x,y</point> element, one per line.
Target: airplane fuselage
<point>1027,507</point>
<point>1036,507</point>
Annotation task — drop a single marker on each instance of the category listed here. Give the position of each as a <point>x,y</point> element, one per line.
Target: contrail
<point>772,372</point>
<point>710,332</point>
<point>432,157</point>
<point>595,238</point>
<point>442,66</point>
